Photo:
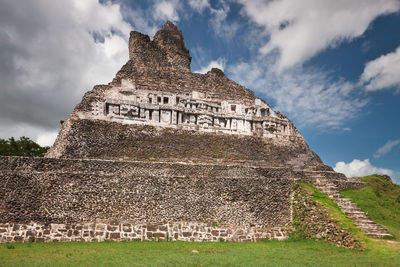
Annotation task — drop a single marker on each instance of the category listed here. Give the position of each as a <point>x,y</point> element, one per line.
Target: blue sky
<point>333,67</point>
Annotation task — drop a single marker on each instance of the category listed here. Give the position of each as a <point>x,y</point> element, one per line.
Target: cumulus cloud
<point>219,63</point>
<point>358,168</point>
<point>52,52</point>
<point>315,25</point>
<point>308,96</point>
<point>167,10</point>
<point>386,148</point>
<point>383,72</point>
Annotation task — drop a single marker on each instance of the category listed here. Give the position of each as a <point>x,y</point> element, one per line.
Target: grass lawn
<point>269,253</point>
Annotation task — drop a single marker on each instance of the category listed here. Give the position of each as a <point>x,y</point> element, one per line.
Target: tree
<point>22,147</point>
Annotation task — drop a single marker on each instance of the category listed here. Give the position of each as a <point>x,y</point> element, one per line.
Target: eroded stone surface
<point>101,231</point>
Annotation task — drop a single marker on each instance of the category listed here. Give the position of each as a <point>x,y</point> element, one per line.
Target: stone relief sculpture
<point>194,112</point>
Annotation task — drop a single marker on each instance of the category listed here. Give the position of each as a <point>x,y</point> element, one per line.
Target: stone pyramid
<point>162,153</point>
<point>157,109</point>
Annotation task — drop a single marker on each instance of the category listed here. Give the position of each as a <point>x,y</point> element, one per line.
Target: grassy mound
<point>316,216</point>
<point>333,210</point>
<point>380,200</point>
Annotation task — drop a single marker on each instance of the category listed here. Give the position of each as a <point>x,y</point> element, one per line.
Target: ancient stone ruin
<point>161,153</point>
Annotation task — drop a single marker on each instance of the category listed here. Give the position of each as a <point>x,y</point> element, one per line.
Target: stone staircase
<point>349,208</point>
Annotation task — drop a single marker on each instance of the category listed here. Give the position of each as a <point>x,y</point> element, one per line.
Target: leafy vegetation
<point>380,201</point>
<point>22,147</point>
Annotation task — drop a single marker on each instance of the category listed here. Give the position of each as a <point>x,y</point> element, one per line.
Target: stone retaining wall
<point>220,199</point>
<point>96,232</point>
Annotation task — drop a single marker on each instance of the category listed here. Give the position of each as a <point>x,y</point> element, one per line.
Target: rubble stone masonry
<point>64,199</point>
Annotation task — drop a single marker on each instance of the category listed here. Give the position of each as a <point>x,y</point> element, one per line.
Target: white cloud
<point>219,63</point>
<point>383,72</point>
<point>52,52</point>
<point>166,10</point>
<point>199,5</point>
<point>386,148</point>
<point>358,168</point>
<point>314,24</point>
<point>46,138</point>
<point>309,97</point>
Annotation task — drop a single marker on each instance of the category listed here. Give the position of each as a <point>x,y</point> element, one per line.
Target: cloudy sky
<point>332,66</point>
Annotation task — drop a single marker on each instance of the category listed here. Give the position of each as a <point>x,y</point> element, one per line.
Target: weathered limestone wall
<point>111,140</point>
<point>76,192</point>
<point>97,232</point>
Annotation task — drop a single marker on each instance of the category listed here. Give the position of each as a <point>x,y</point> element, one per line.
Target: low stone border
<point>96,232</point>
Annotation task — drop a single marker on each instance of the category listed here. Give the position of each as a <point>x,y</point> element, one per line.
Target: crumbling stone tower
<point>161,153</point>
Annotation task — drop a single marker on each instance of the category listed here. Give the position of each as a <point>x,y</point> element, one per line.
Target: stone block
<point>30,233</point>
<point>159,235</point>
<point>186,234</point>
<point>115,235</point>
<point>127,228</point>
<point>112,228</point>
<point>100,227</point>
<point>152,227</point>
<point>215,232</point>
<point>163,228</point>
<point>18,238</point>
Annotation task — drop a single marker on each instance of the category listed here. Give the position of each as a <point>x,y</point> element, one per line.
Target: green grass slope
<point>334,211</point>
<point>380,200</point>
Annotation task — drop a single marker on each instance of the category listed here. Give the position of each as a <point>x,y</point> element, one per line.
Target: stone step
<point>369,232</point>
<point>344,200</point>
<point>351,209</point>
<point>327,191</point>
<point>333,196</point>
<point>348,205</point>
<point>373,230</point>
<point>362,220</point>
<point>372,227</point>
<point>380,235</point>
<point>356,216</point>
<point>323,185</point>
<point>366,219</point>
